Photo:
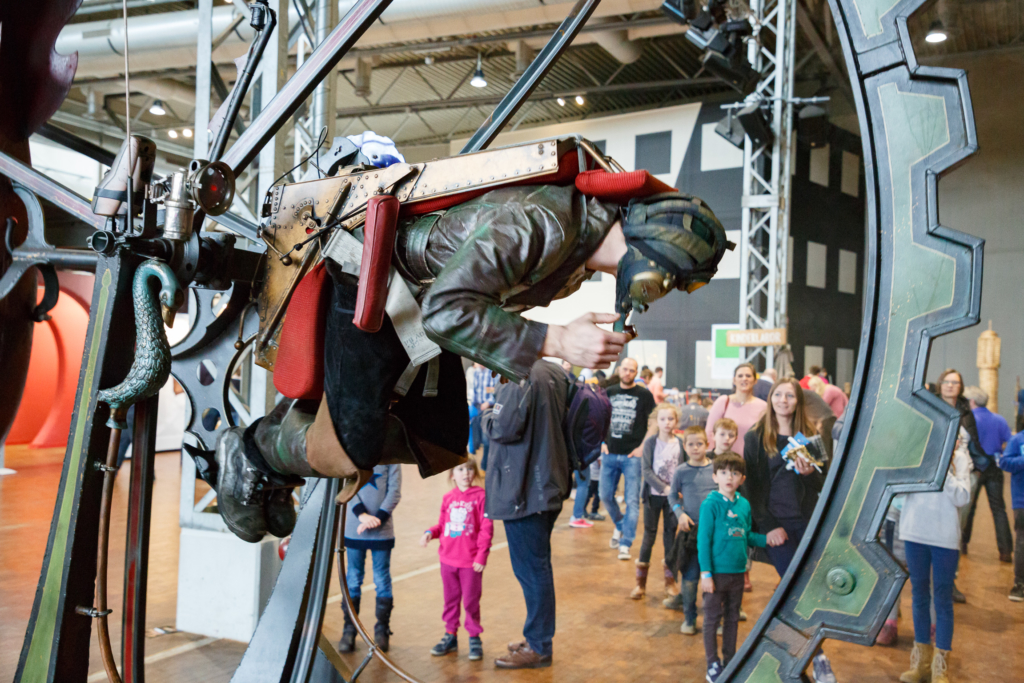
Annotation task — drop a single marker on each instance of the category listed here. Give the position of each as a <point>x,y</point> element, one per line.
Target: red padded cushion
<point>299,368</point>
<point>619,187</point>
<point>568,168</point>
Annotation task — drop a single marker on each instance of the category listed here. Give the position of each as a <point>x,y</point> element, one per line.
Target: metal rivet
<point>840,581</point>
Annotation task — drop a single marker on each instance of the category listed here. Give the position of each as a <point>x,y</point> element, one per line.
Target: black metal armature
<point>264,20</point>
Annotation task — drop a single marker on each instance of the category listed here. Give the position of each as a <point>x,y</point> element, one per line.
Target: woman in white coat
<point>930,529</point>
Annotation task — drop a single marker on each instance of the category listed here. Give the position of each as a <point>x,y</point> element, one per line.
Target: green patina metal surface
<point>870,13</point>
<point>152,364</point>
<point>37,663</point>
<point>922,282</point>
<point>766,671</point>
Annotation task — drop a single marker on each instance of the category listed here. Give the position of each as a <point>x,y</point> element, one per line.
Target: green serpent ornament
<point>152,364</point>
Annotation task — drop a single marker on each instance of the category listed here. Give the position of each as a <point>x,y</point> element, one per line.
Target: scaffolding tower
<point>764,237</point>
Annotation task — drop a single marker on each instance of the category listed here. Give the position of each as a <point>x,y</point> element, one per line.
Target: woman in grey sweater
<point>369,527</point>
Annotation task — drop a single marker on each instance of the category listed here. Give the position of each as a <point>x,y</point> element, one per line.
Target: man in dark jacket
<point>527,481</point>
<point>474,267</point>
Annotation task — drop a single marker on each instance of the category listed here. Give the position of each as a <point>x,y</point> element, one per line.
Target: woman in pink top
<point>465,544</point>
<point>833,395</point>
<point>741,406</point>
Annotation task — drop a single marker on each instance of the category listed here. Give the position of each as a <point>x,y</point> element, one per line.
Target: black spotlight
<point>725,56</point>
<point>755,125</point>
<point>812,126</point>
<point>731,129</point>
<point>680,11</point>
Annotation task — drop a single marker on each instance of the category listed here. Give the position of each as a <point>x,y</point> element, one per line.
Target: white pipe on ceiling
<point>168,40</point>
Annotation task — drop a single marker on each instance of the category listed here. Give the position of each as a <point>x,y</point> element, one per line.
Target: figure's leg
<point>610,470</point>
<point>579,506</point>
<point>993,482</point>
<point>631,471</point>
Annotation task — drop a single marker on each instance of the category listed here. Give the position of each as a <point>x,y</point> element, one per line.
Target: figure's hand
<point>604,449</point>
<point>707,584</point>
<point>637,452</point>
<point>685,523</point>
<point>802,466</point>
<point>425,539</point>
<point>777,537</point>
<point>477,567</point>
<point>368,521</point>
<point>583,343</point>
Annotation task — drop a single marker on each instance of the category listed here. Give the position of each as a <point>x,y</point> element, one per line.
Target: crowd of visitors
<point>718,481</point>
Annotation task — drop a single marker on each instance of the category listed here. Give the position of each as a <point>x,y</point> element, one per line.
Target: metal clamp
<point>92,612</point>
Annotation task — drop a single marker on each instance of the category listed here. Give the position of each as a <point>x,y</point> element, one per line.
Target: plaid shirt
<point>483,381</point>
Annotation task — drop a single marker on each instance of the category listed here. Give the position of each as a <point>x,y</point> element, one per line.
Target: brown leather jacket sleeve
<point>463,312</point>
<point>498,254</point>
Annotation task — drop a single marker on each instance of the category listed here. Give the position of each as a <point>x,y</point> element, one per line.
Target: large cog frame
<point>922,280</point>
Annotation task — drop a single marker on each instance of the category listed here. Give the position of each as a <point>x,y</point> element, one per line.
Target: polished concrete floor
<point>602,635</point>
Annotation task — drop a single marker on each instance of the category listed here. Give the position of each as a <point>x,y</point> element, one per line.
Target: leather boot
<point>382,631</point>
<point>940,664</point>
<point>236,479</point>
<point>920,665</point>
<point>641,580</point>
<point>348,634</point>
<point>671,587</point>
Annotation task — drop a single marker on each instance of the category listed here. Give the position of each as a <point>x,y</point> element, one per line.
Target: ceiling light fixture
<point>187,132</point>
<point>579,100</point>
<point>157,109</point>
<point>172,134</point>
<point>936,34</point>
<point>478,76</point>
<point>561,101</point>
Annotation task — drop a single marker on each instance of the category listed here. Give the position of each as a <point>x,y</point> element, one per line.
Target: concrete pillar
<point>989,346</point>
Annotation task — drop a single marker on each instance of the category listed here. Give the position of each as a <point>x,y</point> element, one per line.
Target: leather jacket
<point>483,261</point>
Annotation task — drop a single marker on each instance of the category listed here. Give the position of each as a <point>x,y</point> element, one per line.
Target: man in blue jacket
<point>1012,460</point>
<point>993,433</point>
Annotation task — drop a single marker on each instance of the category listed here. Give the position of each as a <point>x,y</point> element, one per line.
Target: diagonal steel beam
<point>532,77</point>
<point>301,85</point>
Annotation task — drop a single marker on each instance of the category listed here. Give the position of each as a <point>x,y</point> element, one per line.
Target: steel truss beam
<point>764,228</point>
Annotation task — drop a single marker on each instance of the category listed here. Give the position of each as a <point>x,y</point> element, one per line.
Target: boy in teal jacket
<point>723,536</point>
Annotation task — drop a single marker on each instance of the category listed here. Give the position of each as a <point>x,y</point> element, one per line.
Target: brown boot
<point>523,658</point>
<point>940,662</point>
<point>641,580</point>
<point>671,587</point>
<point>920,665</point>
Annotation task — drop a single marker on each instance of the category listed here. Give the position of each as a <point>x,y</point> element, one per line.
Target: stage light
<point>157,109</point>
<point>936,34</point>
<point>579,100</point>
<point>755,125</point>
<point>172,134</point>
<point>812,126</point>
<point>730,129</point>
<point>561,101</point>
<point>187,132</point>
<point>478,80</point>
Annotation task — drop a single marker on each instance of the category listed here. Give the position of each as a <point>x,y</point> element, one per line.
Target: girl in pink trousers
<point>465,543</point>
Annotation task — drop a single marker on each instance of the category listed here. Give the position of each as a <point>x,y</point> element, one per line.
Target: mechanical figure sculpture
<point>897,438</point>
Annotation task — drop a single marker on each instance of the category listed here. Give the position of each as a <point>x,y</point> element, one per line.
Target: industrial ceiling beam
<point>486,100</point>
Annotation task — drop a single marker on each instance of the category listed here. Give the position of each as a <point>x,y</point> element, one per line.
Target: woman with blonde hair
<point>783,491</point>
<point>741,406</point>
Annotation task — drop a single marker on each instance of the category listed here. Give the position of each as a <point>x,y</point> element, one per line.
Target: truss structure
<point>764,237</point>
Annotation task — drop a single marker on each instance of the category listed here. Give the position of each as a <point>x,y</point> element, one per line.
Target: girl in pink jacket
<point>465,543</point>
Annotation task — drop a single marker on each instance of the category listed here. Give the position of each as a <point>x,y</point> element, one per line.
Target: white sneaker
<point>614,543</point>
<point>623,552</point>
<point>822,669</point>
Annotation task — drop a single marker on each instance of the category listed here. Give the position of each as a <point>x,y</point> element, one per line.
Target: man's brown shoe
<point>514,645</point>
<point>523,658</point>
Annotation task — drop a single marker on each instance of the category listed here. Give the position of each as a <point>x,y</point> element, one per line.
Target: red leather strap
<point>378,246</point>
<point>299,368</point>
<point>619,187</point>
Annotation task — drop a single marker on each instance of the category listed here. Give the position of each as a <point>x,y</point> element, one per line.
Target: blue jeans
<point>927,564</point>
<point>529,548</point>
<point>691,575</point>
<point>579,506</point>
<point>356,571</point>
<point>612,466</point>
